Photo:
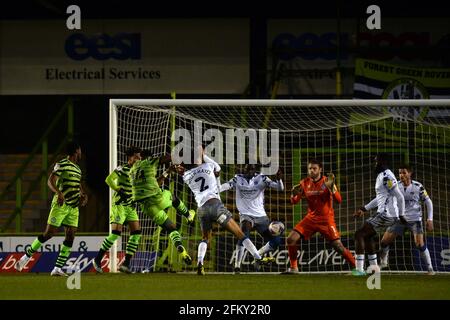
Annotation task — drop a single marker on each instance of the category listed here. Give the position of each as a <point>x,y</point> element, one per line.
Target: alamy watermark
<point>74,280</point>
<point>374,280</point>
<point>239,146</point>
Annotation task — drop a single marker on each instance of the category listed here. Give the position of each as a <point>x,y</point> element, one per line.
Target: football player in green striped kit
<point>65,182</point>
<point>122,211</point>
<point>154,201</point>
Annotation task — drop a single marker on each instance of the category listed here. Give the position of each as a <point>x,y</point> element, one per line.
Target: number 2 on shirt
<point>202,184</point>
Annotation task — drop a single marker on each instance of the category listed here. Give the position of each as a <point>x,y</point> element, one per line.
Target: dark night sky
<point>55,9</point>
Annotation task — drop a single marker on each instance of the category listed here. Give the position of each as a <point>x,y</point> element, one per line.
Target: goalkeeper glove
<point>329,183</point>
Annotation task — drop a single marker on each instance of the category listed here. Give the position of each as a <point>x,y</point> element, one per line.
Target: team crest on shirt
<point>324,186</point>
<point>389,184</point>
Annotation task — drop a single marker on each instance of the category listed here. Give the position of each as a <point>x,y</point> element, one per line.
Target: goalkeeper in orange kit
<point>320,192</point>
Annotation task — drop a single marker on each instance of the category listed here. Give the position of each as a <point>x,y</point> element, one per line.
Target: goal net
<point>343,134</point>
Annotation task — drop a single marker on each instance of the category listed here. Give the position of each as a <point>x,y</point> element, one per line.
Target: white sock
<point>372,259</point>
<point>239,256</point>
<point>201,251</point>
<point>360,262</point>
<point>266,248</point>
<point>251,248</point>
<point>426,256</point>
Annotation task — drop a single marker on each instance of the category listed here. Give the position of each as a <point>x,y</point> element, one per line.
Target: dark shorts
<point>416,227</point>
<point>260,224</point>
<point>213,211</point>
<point>381,221</point>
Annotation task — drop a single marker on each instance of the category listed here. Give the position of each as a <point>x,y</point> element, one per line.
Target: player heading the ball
<point>201,177</point>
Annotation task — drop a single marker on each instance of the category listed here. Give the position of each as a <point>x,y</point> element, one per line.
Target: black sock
<point>99,256</point>
<point>127,260</point>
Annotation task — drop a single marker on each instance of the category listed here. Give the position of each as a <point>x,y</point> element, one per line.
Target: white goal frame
<point>113,103</point>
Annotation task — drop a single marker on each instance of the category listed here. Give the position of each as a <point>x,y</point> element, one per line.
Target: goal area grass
<point>184,286</point>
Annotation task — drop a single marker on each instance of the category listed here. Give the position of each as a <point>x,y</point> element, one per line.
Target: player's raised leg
<point>155,207</point>
<point>272,243</point>
<point>35,246</point>
<point>183,210</point>
<point>175,237</point>
<point>234,228</point>
<point>246,227</point>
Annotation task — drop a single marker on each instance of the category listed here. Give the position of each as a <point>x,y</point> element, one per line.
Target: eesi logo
<point>121,46</point>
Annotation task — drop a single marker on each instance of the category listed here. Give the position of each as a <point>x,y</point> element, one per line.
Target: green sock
<point>176,240</point>
<point>109,241</point>
<point>132,246</point>
<point>182,209</point>
<point>34,247</point>
<point>63,256</point>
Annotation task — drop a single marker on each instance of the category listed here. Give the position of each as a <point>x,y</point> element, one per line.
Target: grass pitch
<point>164,286</point>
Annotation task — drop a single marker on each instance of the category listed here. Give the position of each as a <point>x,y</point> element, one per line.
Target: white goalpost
<point>343,134</point>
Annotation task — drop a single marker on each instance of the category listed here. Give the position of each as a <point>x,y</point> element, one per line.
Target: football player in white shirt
<point>414,193</point>
<point>250,188</point>
<point>391,207</point>
<point>202,180</point>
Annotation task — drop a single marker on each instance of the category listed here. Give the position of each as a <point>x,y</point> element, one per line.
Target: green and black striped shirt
<point>69,180</point>
<point>120,179</point>
<point>143,179</point>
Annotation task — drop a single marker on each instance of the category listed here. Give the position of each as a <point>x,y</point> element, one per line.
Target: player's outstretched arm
<point>371,205</point>
<point>167,173</point>
<point>278,183</point>
<point>360,212</point>
<point>165,159</point>
<point>207,159</point>
<point>228,185</point>
<point>111,181</point>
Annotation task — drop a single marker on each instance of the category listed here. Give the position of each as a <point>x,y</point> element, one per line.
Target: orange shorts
<point>327,227</point>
